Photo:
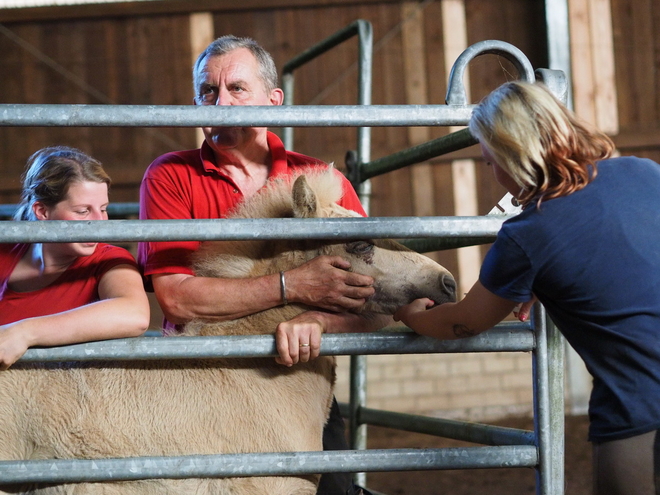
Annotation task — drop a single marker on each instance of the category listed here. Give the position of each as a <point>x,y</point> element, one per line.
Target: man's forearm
<point>184,297</point>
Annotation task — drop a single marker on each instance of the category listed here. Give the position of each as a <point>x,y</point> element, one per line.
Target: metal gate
<point>541,449</point>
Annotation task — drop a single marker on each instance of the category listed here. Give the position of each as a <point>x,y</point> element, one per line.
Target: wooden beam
<point>160,7</point>
<point>607,115</point>
<point>646,139</point>
<point>202,33</point>
<point>454,28</point>
<point>581,60</point>
<point>412,34</point>
<point>592,63</point>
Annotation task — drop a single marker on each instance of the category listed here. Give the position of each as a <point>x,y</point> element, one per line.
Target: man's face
<point>233,79</point>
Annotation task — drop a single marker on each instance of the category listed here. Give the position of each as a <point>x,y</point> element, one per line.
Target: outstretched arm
<point>323,282</point>
<point>123,311</point>
<point>478,311</point>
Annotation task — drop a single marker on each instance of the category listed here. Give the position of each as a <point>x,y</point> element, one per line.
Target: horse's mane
<point>275,199</point>
<point>236,259</point>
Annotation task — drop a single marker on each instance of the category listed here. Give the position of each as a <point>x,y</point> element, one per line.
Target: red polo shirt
<point>75,287</point>
<point>190,185</point>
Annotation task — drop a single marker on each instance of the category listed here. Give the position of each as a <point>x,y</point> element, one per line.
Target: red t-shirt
<point>75,287</point>
<point>190,185</point>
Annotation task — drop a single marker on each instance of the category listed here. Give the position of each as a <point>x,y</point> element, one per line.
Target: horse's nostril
<point>448,285</point>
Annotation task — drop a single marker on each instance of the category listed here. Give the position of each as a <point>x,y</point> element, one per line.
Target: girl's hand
<point>404,313</point>
<point>12,345</point>
<point>523,310</point>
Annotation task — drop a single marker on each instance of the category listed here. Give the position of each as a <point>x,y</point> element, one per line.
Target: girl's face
<point>502,177</point>
<point>84,201</point>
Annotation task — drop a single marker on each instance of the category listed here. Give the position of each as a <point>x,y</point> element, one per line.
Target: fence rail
<point>505,337</point>
<point>265,464</point>
<point>249,229</point>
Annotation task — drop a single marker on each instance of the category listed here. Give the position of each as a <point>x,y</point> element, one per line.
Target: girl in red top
<point>64,293</point>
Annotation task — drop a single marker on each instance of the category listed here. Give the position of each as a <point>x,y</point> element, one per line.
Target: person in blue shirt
<point>587,246</point>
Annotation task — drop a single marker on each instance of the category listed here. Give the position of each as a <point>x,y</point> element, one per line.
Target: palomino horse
<point>183,407</point>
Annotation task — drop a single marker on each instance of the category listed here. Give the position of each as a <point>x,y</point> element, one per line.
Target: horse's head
<point>400,275</point>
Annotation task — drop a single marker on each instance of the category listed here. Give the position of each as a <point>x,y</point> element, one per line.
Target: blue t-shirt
<point>593,260</point>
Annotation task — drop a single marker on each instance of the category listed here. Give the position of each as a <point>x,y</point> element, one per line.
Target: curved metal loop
<point>456,94</point>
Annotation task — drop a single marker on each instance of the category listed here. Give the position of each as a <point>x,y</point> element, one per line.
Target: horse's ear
<point>304,199</point>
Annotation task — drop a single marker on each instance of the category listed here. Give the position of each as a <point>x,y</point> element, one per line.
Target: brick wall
<point>478,387</point>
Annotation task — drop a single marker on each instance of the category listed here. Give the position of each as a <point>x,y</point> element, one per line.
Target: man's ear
<point>40,211</point>
<point>276,97</point>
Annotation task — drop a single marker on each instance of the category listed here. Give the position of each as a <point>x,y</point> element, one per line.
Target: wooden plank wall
<point>123,61</point>
<point>145,59</point>
<point>636,35</point>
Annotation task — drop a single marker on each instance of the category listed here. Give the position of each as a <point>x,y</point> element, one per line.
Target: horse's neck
<point>262,323</point>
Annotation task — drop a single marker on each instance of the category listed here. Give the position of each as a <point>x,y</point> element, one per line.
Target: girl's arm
<point>123,311</point>
<point>478,311</point>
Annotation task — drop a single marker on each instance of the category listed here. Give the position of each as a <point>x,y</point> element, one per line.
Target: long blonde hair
<point>50,172</point>
<point>539,142</point>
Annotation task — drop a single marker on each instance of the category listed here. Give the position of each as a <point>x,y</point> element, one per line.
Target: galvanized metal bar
<point>458,430</point>
<point>244,229</point>
<point>556,347</point>
<point>263,464</point>
<point>559,40</point>
<point>542,403</point>
<point>357,401</point>
<point>358,372</point>
<point>559,59</point>
<point>365,63</point>
<point>513,337</point>
<point>288,86</point>
<point>33,115</point>
<point>417,154</point>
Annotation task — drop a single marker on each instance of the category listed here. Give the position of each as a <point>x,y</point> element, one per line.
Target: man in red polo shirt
<point>233,164</point>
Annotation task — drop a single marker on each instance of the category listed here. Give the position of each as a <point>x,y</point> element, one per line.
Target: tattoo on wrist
<point>462,331</point>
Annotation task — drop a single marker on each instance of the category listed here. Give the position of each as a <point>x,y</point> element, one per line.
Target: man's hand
<point>325,282</point>
<point>299,339</point>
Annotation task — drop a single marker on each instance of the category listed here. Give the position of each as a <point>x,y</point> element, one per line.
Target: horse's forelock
<point>234,259</point>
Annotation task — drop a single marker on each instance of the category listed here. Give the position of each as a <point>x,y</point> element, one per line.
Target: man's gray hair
<point>229,43</point>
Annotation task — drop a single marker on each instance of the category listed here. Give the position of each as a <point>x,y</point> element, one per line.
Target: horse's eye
<point>359,247</point>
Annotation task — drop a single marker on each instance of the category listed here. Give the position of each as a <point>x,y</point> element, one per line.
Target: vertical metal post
<point>287,87</point>
<point>365,63</point>
<point>548,424</point>
<point>559,58</point>
<point>559,47</point>
<point>358,372</point>
<point>541,400</point>
<point>556,412</point>
<point>364,31</point>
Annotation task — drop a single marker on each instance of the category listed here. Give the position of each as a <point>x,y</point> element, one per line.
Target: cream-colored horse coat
<point>161,408</point>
